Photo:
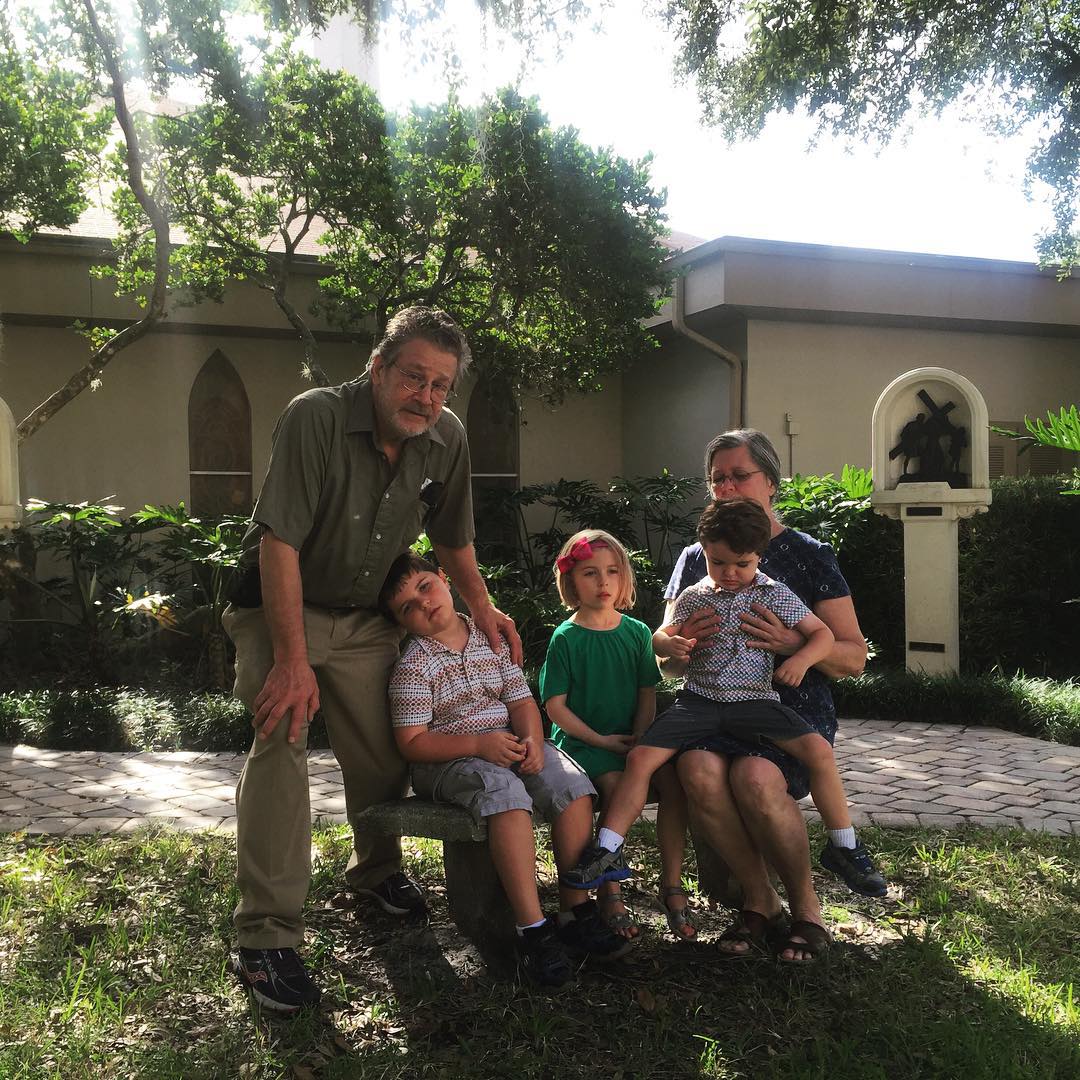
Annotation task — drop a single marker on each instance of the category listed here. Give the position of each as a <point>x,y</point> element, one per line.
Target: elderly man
<point>356,473</point>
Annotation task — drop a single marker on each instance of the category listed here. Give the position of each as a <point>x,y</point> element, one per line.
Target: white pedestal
<point>930,513</point>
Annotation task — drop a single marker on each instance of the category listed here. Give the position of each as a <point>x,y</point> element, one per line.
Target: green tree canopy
<point>862,66</point>
<point>50,136</point>
<point>547,250</point>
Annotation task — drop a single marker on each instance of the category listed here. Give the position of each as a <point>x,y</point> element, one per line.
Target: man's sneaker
<point>541,956</point>
<point>276,977</point>
<point>586,934</point>
<point>596,866</point>
<point>856,867</point>
<point>397,895</point>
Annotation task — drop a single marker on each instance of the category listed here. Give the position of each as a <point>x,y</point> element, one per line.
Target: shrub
<point>1040,707</point>
<point>1019,575</point>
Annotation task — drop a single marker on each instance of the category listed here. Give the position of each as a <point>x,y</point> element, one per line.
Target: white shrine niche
<point>931,466</point>
<point>10,507</point>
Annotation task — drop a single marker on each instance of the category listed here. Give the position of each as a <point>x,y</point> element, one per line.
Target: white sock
<point>610,840</point>
<point>844,838</point>
<point>532,926</point>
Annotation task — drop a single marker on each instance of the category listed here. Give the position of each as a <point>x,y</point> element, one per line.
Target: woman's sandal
<point>618,921</point>
<point>815,941</point>
<point>754,930</point>
<point>678,919</point>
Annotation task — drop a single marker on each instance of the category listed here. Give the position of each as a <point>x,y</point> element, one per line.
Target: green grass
<point>112,964</point>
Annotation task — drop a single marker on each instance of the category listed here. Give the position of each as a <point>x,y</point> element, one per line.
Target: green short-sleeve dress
<point>600,672</point>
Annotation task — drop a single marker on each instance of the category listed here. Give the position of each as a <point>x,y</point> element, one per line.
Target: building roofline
<point>716,249</point>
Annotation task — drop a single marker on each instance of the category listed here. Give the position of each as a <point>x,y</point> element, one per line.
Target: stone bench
<point>474,893</point>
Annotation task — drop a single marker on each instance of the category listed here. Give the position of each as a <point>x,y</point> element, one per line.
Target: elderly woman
<point>743,796</point>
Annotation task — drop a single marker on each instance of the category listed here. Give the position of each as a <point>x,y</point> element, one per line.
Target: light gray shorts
<point>484,788</point>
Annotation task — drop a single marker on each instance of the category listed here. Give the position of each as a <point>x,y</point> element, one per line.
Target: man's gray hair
<point>761,450</point>
<point>430,324</point>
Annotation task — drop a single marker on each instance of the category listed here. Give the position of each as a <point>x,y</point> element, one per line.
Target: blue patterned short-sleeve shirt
<point>722,668</point>
<point>809,568</point>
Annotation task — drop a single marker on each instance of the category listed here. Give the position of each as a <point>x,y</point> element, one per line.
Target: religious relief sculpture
<point>935,442</point>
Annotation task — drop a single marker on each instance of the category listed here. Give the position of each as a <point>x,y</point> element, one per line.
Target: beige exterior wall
<point>829,377</point>
<point>129,439</point>
<point>676,400</point>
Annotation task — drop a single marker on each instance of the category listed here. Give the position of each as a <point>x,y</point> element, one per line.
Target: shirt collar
<point>475,641</point>
<point>706,584</point>
<point>360,414</point>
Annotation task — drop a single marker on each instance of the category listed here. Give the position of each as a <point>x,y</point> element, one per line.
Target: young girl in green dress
<point>598,685</point>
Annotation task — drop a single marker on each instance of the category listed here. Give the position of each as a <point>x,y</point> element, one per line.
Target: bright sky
<point>950,190</point>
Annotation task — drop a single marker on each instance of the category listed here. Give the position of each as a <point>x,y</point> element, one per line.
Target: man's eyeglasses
<point>415,383</point>
<point>737,478</point>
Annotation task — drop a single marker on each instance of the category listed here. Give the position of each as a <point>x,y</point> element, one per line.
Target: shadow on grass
<point>418,1003</point>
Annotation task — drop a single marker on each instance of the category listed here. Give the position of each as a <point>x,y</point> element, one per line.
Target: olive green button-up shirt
<point>332,494</point>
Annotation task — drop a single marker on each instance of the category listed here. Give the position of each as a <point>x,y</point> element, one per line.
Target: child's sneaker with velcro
<point>541,956</point>
<point>586,934</point>
<point>855,867</point>
<point>596,866</point>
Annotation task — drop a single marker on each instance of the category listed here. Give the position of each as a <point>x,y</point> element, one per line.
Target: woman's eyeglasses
<point>737,478</point>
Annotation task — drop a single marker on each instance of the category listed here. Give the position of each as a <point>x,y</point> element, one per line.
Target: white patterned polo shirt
<point>722,667</point>
<point>455,693</point>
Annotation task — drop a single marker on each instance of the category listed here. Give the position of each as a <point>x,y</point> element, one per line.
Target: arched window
<point>219,441</point>
<point>493,449</point>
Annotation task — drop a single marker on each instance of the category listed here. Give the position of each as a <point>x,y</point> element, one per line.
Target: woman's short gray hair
<point>428,323</point>
<point>761,450</point>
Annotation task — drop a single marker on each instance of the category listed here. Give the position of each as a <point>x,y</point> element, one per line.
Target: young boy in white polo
<point>465,720</point>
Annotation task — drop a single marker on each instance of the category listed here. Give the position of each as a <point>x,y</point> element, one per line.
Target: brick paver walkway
<point>896,774</point>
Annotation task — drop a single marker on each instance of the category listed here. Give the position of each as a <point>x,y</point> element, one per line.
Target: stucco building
<point>798,340</point>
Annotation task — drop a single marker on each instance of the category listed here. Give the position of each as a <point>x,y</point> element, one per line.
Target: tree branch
<point>155,308</point>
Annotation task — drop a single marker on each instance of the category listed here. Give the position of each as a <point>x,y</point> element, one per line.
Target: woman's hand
<point>766,631</point>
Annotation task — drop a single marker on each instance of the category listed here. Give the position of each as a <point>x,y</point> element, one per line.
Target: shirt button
<point>378,536</point>
<point>387,495</point>
<point>367,573</point>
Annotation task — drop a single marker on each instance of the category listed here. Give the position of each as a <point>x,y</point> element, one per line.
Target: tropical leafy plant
<point>823,506</point>
<point>1061,431</point>
<point>198,559</point>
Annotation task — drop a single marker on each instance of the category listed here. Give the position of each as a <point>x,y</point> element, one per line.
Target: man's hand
<point>790,672</point>
<point>534,756</point>
<point>766,631</point>
<point>496,626</point>
<point>290,688</point>
<point>501,748</point>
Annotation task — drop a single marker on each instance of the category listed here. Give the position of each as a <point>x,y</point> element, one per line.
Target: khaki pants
<point>352,654</point>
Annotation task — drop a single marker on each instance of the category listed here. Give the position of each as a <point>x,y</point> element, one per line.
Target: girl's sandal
<point>619,922</point>
<point>678,919</point>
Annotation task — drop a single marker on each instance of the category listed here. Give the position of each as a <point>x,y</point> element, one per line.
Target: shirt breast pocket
<point>430,498</point>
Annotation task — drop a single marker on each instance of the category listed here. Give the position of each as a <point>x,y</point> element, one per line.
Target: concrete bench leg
<point>475,895</point>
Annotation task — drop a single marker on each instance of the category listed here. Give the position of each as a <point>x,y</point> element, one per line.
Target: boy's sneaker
<point>396,895</point>
<point>276,977</point>
<point>586,934</point>
<point>856,867</point>
<point>541,956</point>
<point>596,866</point>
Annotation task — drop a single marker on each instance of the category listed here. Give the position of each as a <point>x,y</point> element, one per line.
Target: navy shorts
<point>694,719</point>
